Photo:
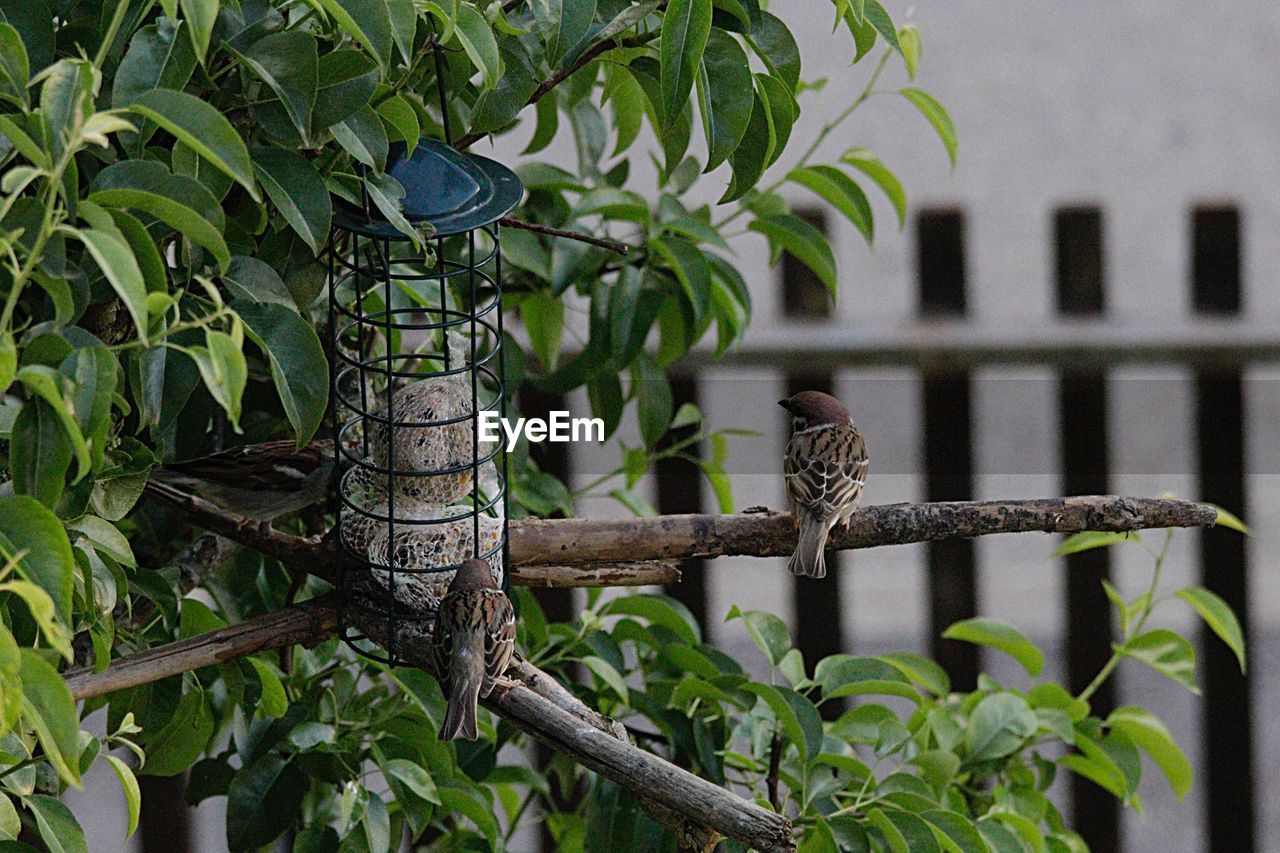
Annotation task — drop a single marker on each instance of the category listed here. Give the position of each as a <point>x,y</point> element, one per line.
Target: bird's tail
<point>466,674</point>
<point>809,559</point>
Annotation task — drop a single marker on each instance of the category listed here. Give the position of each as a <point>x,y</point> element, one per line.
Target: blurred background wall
<point>1116,204</point>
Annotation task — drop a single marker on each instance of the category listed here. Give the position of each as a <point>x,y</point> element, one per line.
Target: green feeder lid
<point>451,190</point>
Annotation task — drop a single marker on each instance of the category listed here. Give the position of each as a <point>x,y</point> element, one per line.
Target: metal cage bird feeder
<point>416,343</point>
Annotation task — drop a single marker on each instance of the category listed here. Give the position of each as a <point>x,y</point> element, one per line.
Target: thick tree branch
<point>772,534</point>
<point>603,243</point>
<point>529,698</point>
<point>305,624</point>
<point>637,551</point>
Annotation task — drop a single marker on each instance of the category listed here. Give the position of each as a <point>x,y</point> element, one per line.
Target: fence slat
<point>1228,717</point>
<point>1082,404</point>
<point>948,442</point>
<point>680,490</point>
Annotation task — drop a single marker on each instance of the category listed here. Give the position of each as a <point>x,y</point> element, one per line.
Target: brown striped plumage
<point>473,641</point>
<point>263,481</point>
<point>825,468</point>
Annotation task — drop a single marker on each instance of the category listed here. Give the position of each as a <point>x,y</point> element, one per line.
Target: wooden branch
<point>305,624</point>
<point>603,243</point>
<point>535,703</point>
<point>772,534</point>
<point>319,556</point>
<point>699,811</point>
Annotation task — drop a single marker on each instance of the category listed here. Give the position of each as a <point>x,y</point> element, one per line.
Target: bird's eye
<point>799,423</point>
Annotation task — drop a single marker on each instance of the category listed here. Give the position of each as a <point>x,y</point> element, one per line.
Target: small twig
<point>603,243</point>
<point>775,764</point>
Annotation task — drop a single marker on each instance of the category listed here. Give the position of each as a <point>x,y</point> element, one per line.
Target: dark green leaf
<point>263,801</point>
<point>298,364</point>
<point>543,317</point>
<point>802,241</point>
<point>367,22</point>
<point>724,96</point>
<point>685,28</point>
<point>653,399</point>
<point>363,136</point>
<point>749,158</point>
<point>296,188</point>
<point>200,17</point>
<point>561,24</point>
<point>201,127</point>
<point>478,41</point>
<point>870,165</point>
<point>838,190</point>
<point>15,69</point>
<point>158,58</point>
<point>777,47</point>
<point>58,826</point>
<point>691,270</point>
<point>182,739</point>
<point>39,453</point>
<point>182,203</point>
<point>1147,731</point>
<point>288,63</point>
<point>345,83</point>
<point>399,117</point>
<point>48,563</point>
<point>49,709</point>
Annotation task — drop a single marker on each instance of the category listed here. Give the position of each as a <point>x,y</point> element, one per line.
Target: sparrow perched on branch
<point>825,467</point>
<point>262,481</point>
<point>474,638</point>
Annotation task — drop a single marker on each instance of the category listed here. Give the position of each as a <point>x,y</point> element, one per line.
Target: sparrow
<point>825,468</point>
<point>259,481</point>
<point>472,643</point>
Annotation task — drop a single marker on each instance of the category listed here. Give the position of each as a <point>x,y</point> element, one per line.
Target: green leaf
<point>182,203</point>
<point>561,24</point>
<point>838,189</point>
<point>397,115</point>
<point>543,318</point>
<point>870,165</point>
<point>892,835</point>
<point>263,801</point>
<point>15,68</point>
<point>1217,614</point>
<point>998,726</point>
<point>40,606</point>
<point>181,740</point>
<point>957,829</point>
<point>65,99</point>
<point>725,96</point>
<point>1087,540</point>
<point>106,538</point>
<point>368,22</point>
<point>653,399</point>
<point>691,270</point>
<point>909,45</point>
<point>413,777</point>
<point>658,610</point>
<point>200,17</point>
<point>804,242</point>
<point>274,702</point>
<point>876,15</point>
<point>937,116</point>
<point>999,635</point>
<point>255,280</point>
<point>132,794</point>
<point>363,136</point>
<point>10,823</point>
<point>774,44</point>
<point>769,633</point>
<point>39,453</point>
<point>345,82</point>
<point>749,158</point>
<point>158,58</point>
<point>48,707</point>
<point>1148,732</point>
<point>1229,520</point>
<point>298,364</point>
<point>919,670</point>
<point>784,712</point>
<point>203,129</point>
<point>58,827</point>
<point>29,527</point>
<point>296,188</point>
<point>685,28</point>
<point>288,63</point>
<point>1167,653</point>
<point>224,371</point>
<point>606,672</point>
<point>478,41</point>
<point>387,193</point>
<point>8,359</point>
<point>114,257</point>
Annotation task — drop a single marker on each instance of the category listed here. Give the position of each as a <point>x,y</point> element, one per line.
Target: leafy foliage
<point>169,170</point>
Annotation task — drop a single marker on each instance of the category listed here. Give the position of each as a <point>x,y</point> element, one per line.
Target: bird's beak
<point>786,404</point>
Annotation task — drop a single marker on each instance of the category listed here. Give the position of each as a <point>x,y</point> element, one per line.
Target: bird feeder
<point>416,349</point>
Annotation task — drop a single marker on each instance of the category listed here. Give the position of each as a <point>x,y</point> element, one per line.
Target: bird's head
<point>814,409</point>
<point>472,575</point>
